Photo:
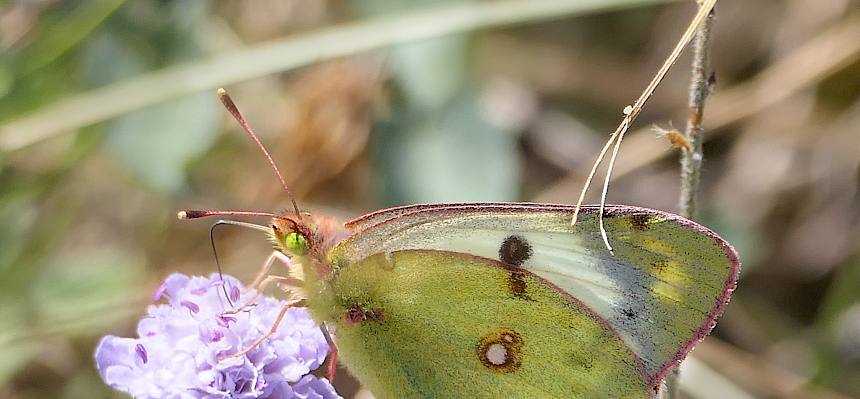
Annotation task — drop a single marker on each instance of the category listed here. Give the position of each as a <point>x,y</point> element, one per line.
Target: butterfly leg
<point>332,354</point>
<point>271,332</point>
<point>267,267</point>
<point>288,281</point>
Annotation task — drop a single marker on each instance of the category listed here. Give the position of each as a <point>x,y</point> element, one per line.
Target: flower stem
<point>700,88</point>
<point>691,159</point>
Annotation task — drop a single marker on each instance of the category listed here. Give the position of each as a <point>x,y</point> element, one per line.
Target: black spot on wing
<point>640,221</point>
<point>629,313</point>
<point>659,265</point>
<point>517,285</point>
<point>515,250</point>
<point>582,359</point>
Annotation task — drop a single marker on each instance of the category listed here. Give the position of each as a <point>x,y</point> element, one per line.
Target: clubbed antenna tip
<point>190,214</point>
<point>234,110</point>
<point>196,214</point>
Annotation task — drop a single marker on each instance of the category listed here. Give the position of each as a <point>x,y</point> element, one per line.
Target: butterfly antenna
<point>632,111</point>
<point>197,214</point>
<point>234,110</point>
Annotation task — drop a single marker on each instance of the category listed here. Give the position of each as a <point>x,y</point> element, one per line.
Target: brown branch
<point>691,158</point>
<point>700,88</point>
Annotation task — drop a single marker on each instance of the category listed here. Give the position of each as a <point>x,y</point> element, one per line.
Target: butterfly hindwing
<point>661,291</point>
<point>426,323</point>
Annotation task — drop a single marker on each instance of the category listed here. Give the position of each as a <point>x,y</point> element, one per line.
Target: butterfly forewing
<point>661,291</point>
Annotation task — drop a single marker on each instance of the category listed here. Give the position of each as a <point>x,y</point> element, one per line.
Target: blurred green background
<point>109,125</point>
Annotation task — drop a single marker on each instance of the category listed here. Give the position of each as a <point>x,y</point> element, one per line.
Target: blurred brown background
<point>109,125</point>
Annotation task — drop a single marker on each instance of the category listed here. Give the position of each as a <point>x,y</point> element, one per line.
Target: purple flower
<point>181,347</point>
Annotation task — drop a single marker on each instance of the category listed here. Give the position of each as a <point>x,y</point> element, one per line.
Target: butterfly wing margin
<point>669,280</point>
<point>373,218</point>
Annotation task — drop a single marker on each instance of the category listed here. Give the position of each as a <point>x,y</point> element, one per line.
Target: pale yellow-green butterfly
<point>502,299</point>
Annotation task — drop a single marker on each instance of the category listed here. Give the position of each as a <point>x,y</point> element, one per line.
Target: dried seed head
<point>675,137</point>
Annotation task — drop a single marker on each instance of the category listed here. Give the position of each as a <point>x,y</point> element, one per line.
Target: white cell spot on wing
<point>497,354</point>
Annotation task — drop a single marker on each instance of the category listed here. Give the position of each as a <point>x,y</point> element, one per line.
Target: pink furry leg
<point>332,354</point>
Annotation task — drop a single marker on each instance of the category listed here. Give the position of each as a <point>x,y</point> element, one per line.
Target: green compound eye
<point>295,242</point>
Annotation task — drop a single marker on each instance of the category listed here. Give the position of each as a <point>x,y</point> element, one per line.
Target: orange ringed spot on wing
<point>501,351</point>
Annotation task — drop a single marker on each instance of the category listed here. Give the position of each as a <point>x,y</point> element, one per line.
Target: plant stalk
<point>701,83</point>
<point>700,87</point>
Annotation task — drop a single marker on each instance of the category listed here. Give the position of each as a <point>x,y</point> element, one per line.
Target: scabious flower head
<point>182,344</point>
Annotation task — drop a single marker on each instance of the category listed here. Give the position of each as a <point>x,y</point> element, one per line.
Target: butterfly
<point>504,299</point>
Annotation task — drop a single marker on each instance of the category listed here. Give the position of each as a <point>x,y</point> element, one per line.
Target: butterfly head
<point>292,237</point>
<point>306,242</point>
<point>311,235</point>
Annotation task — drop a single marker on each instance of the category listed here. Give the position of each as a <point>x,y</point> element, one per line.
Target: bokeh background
<point>109,125</point>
